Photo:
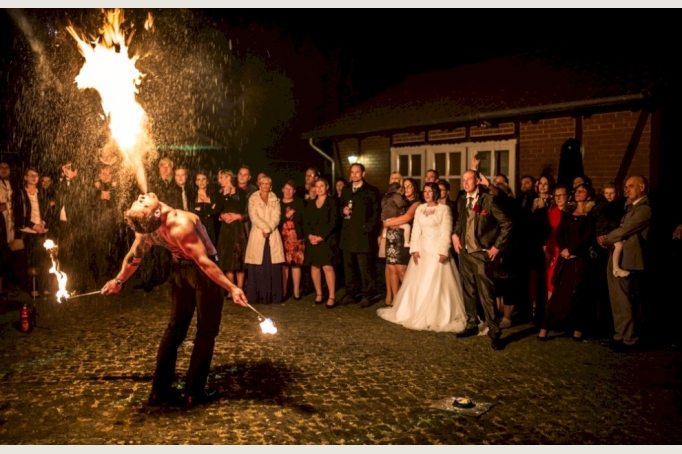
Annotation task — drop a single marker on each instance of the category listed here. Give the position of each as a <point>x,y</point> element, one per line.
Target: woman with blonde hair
<point>264,250</point>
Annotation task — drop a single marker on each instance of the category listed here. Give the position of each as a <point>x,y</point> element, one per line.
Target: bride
<point>430,297</point>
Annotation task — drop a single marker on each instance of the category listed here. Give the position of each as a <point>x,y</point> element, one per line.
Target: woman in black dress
<point>320,226</point>
<point>231,204</point>
<point>568,307</point>
<point>205,204</point>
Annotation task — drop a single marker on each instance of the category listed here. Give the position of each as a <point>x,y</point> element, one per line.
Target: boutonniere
<point>477,209</point>
<point>483,213</point>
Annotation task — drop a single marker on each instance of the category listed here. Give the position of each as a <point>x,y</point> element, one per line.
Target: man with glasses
<point>311,177</point>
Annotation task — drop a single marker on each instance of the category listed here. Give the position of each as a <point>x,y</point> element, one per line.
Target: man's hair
<point>314,169</point>
<point>434,171</point>
<point>291,183</point>
<point>244,166</point>
<point>531,178</point>
<point>168,160</point>
<point>561,186</point>
<point>358,164</point>
<point>644,181</point>
<point>504,177</point>
<point>141,222</point>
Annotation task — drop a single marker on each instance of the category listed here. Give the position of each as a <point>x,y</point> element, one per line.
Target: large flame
<point>61,276</point>
<point>109,70</point>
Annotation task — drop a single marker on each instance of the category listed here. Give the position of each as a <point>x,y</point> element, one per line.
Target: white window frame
<point>466,149</point>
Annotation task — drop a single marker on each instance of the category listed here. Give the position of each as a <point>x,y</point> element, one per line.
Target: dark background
<point>250,82</point>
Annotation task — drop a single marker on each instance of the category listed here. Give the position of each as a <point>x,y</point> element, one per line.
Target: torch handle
<point>253,309</point>
<point>97,292</point>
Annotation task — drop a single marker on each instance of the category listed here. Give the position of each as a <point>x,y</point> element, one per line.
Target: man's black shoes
<point>496,343</point>
<point>205,396</point>
<point>468,332</point>
<point>174,398</point>
<point>347,299</point>
<point>620,347</point>
<point>171,397</point>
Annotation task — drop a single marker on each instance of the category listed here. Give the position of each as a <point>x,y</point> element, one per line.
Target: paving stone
<point>327,377</point>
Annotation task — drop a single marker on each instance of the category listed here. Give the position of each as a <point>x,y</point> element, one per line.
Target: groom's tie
<point>470,203</point>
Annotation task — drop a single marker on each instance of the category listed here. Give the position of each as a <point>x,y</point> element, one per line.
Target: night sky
<point>254,80</point>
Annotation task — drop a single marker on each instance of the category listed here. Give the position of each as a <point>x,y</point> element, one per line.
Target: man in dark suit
<point>627,293</point>
<point>359,230</point>
<point>481,232</point>
<point>184,189</point>
<point>76,225</point>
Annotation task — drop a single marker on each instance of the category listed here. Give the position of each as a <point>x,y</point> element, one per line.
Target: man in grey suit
<point>627,293</point>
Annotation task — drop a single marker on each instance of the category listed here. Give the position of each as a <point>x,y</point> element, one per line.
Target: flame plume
<point>109,71</point>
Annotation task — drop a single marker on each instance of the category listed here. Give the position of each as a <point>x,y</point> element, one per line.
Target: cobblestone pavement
<point>341,376</point>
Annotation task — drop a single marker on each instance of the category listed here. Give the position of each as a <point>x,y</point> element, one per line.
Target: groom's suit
<point>480,227</point>
<point>626,294</point>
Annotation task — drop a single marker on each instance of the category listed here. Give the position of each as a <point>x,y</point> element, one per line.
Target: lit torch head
<point>61,276</point>
<point>268,327</point>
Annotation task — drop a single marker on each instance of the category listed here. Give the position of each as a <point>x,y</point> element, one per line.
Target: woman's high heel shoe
<point>332,305</point>
<point>321,300</point>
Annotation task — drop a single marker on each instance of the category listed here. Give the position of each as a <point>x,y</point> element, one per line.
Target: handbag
<point>558,269</point>
<point>16,244</point>
<point>382,247</point>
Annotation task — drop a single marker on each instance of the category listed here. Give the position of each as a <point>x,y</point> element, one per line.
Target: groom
<point>480,234</point>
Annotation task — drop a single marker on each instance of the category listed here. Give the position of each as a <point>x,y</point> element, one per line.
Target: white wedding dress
<point>430,297</point>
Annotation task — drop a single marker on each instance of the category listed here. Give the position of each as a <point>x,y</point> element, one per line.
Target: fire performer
<point>195,282</point>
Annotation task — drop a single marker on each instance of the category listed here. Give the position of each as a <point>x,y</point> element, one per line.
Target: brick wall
<point>540,145</point>
<point>408,138</point>
<point>374,154</point>
<point>500,130</point>
<point>605,138</point>
<point>443,134</point>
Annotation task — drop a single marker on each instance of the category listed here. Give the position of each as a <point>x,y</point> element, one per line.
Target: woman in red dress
<point>561,196</point>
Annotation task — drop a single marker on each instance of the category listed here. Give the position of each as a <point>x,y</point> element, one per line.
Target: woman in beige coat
<point>264,251</point>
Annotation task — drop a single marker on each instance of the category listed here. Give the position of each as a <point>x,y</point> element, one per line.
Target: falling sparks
<point>112,73</point>
<point>61,276</point>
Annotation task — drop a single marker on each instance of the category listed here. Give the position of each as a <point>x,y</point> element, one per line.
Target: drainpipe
<point>325,156</point>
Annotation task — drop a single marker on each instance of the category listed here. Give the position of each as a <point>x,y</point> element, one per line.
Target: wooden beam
<point>631,148</point>
<point>655,149</point>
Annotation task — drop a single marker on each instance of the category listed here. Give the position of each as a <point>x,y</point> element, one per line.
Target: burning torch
<point>61,276</point>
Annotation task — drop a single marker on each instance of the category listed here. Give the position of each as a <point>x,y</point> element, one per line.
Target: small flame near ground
<point>268,327</point>
<point>61,276</point>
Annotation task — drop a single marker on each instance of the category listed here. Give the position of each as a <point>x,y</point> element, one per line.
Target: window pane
<point>455,187</point>
<point>502,158</point>
<point>484,166</point>
<point>440,163</point>
<point>416,165</point>
<point>403,164</point>
<point>455,164</point>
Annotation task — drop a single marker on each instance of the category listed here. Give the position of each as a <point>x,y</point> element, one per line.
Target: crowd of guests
<point>566,257</point>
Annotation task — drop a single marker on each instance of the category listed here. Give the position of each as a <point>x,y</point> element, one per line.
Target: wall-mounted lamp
<point>352,159</point>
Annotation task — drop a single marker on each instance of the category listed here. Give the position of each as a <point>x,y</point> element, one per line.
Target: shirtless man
<point>195,282</point>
